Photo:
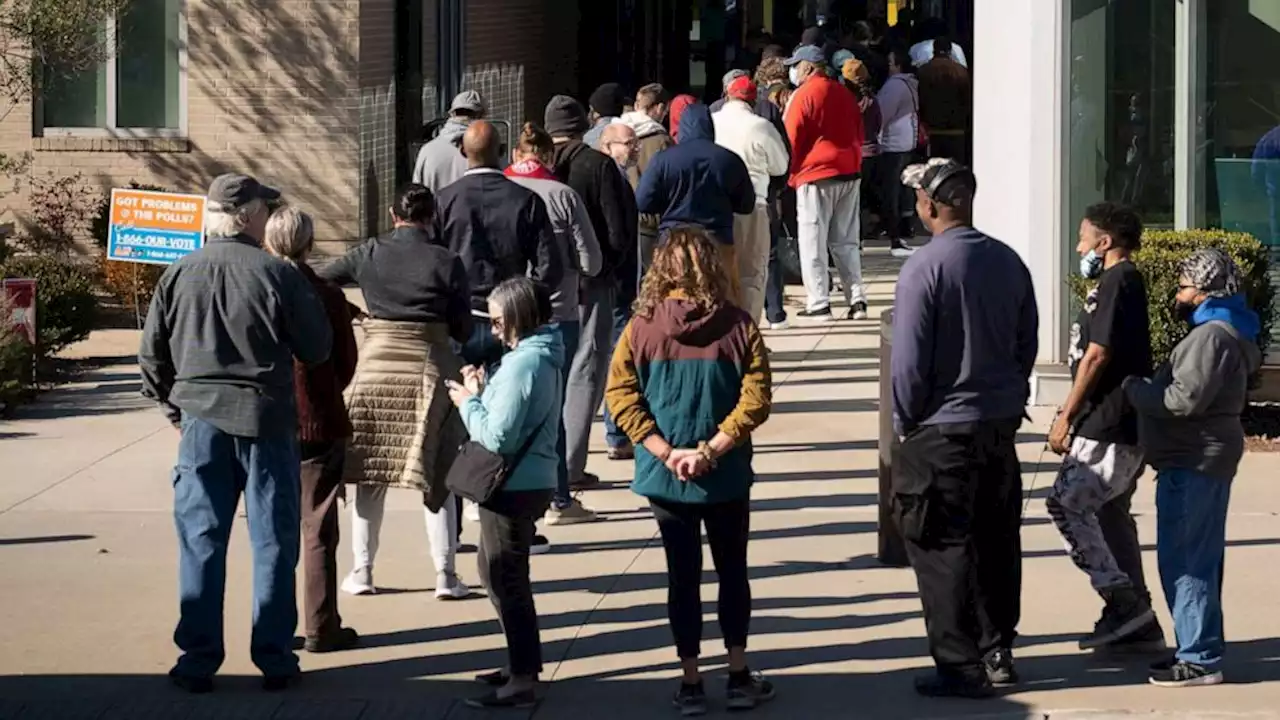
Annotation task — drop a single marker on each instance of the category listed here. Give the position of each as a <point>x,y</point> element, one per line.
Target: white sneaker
<point>574,514</point>
<point>472,511</point>
<point>903,251</point>
<point>449,587</point>
<point>784,325</point>
<point>359,582</point>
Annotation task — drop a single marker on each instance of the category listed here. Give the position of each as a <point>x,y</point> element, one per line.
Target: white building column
<point>1019,81</point>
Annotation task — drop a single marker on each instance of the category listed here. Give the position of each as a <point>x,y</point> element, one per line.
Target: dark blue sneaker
<point>690,700</point>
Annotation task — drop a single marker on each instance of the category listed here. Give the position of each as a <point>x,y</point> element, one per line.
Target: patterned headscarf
<point>1213,272</point>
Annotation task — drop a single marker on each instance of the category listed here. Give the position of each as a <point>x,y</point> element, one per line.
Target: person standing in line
<point>1189,424</point>
<point>499,229</point>
<point>419,302</point>
<point>323,431</point>
<point>697,182</point>
<point>607,104</point>
<point>858,79</point>
<point>678,105</point>
<point>933,32</point>
<point>441,161</point>
<point>225,325</point>
<point>652,102</point>
<point>899,101</point>
<point>612,209</point>
<point>771,77</point>
<point>725,82</point>
<point>520,404</point>
<point>964,344</point>
<point>758,143</point>
<point>1102,460</point>
<point>580,254</point>
<point>824,124</point>
<point>945,99</point>
<point>690,383</point>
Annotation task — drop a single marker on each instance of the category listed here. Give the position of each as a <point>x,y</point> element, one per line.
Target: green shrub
<point>66,306</point>
<point>1159,259</point>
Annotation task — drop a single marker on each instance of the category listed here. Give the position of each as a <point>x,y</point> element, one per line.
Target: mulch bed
<point>1262,427</point>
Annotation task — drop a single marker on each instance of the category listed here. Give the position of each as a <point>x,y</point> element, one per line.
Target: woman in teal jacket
<point>521,400</point>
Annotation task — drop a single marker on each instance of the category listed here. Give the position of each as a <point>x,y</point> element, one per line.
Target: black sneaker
<point>1147,641</point>
<point>343,639</point>
<point>1126,613</point>
<point>522,700</point>
<point>1000,669</point>
<point>1185,674</point>
<point>747,690</point>
<point>858,311</point>
<point>191,683</point>
<point>940,686</point>
<point>690,700</point>
<point>821,314</point>
<point>541,545</point>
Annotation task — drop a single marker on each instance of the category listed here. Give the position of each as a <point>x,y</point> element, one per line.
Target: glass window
<point>139,88</point>
<point>1240,114</point>
<point>1120,122</point>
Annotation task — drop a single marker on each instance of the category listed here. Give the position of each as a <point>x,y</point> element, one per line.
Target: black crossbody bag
<point>478,473</point>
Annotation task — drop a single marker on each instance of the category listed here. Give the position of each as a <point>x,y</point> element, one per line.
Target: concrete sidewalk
<point>89,598</point>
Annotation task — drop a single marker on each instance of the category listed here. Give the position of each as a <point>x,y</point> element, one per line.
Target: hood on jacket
<point>1231,310</point>
<point>691,325</point>
<point>696,124</point>
<point>564,155</point>
<point>545,343</point>
<point>644,125</point>
<point>452,131</point>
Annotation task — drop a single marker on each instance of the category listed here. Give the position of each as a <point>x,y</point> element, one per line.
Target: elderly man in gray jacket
<point>440,162</point>
<point>224,327</point>
<point>1189,425</point>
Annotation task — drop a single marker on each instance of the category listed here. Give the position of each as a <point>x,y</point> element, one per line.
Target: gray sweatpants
<point>587,373</point>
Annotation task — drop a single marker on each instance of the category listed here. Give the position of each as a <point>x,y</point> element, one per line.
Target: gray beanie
<point>1213,272</point>
<point>565,117</point>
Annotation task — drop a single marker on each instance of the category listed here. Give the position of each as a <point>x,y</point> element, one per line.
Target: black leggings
<point>728,526</point>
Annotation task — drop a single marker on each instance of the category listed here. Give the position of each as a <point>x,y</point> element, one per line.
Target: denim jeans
<point>1191,538</point>
<point>569,332</point>
<point>774,292</point>
<point>213,469</point>
<point>614,437</point>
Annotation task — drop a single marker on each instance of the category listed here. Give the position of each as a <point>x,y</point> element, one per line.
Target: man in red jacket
<point>824,125</point>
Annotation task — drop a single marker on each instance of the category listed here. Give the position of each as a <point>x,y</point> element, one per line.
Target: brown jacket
<point>322,415</point>
<point>653,139</point>
<point>945,95</point>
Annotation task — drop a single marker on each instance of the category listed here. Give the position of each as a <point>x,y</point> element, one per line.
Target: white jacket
<point>756,141</point>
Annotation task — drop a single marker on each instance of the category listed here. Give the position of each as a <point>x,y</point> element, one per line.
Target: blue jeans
<point>614,437</point>
<point>1191,538</point>
<point>213,469</point>
<point>569,332</point>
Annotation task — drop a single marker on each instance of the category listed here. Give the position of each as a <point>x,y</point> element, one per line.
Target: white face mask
<point>795,76</point>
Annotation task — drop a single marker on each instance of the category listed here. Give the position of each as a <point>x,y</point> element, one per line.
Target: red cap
<point>744,88</point>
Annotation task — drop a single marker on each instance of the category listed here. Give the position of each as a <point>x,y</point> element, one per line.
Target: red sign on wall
<point>22,296</point>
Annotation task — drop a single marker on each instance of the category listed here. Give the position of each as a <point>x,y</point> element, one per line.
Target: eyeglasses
<point>1187,287</point>
<point>628,143</point>
<point>496,322</point>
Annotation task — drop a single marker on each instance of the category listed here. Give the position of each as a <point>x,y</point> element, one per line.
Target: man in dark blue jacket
<point>700,183</point>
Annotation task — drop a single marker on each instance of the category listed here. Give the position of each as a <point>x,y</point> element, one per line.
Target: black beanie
<point>564,117</point>
<point>608,100</point>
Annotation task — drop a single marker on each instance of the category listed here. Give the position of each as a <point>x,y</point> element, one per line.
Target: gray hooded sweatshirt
<point>1189,413</point>
<point>579,248</point>
<point>440,162</point>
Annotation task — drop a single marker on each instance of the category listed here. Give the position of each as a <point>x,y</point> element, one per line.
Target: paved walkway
<point>88,600</point>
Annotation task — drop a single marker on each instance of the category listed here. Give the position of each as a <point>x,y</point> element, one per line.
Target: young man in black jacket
<point>498,228</point>
<point>611,205</point>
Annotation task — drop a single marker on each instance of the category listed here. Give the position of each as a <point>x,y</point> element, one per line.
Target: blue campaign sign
<point>157,228</point>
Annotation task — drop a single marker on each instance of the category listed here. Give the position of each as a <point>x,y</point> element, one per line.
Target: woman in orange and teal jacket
<point>689,383</point>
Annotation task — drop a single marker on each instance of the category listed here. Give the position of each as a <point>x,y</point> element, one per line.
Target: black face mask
<point>1184,310</point>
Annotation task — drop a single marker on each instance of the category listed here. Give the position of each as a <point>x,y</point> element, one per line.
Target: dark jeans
<point>1121,534</point>
<point>957,494</point>
<point>213,469</point>
<point>321,488</point>
<point>774,295</point>
<point>506,532</point>
<point>728,527</point>
<point>894,207</point>
<point>569,332</point>
<point>614,437</point>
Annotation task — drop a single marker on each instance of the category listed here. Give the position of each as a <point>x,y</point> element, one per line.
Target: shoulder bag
<point>478,473</point>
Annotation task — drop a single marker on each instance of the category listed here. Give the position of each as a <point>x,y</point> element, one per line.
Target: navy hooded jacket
<point>697,181</point>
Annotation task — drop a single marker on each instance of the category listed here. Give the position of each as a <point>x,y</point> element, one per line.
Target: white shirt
<point>922,52</point>
<point>756,141</point>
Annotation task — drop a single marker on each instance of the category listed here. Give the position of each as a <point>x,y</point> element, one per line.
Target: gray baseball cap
<point>806,53</point>
<point>468,101</point>
<point>234,190</point>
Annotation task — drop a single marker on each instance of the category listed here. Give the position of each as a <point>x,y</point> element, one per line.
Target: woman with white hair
<point>406,432</point>
<point>323,430</point>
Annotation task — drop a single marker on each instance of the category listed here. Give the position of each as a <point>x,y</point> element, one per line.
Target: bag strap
<point>524,449</point>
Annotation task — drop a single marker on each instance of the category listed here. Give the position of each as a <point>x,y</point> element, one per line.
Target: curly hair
<point>771,71</point>
<point>686,262</point>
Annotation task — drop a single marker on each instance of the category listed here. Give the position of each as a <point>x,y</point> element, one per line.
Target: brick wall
<point>271,91</point>
<point>377,90</point>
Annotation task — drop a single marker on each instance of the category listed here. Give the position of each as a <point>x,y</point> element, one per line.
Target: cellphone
<point>451,384</point>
